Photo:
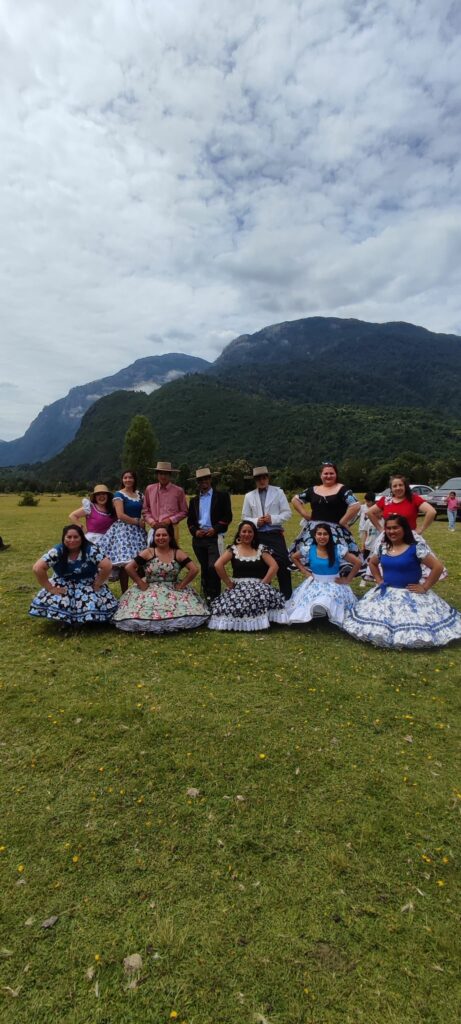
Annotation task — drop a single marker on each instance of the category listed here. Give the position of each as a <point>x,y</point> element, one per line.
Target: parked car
<point>424,490</point>
<point>439,498</point>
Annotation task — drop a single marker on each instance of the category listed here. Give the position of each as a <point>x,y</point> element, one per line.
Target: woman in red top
<point>403,503</point>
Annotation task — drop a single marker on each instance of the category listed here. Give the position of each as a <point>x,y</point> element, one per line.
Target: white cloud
<point>176,175</point>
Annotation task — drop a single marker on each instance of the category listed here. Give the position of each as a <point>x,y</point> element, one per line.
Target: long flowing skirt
<point>80,604</point>
<point>394,618</point>
<point>123,542</point>
<point>248,606</point>
<point>160,609</point>
<point>319,597</point>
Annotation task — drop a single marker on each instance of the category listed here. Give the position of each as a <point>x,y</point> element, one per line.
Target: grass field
<point>313,876</point>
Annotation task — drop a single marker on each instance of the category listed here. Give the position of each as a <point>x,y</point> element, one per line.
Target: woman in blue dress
<point>402,610</point>
<point>127,536</point>
<point>324,591</point>
<point>76,593</point>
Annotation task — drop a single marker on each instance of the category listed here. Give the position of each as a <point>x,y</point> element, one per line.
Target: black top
<point>248,568</point>
<point>327,508</point>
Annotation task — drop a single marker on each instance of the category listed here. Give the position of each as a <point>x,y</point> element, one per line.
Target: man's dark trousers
<point>207,552</point>
<point>275,540</point>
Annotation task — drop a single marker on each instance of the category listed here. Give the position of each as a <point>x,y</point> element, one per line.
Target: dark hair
<point>369,496</point>
<point>109,508</point>
<point>170,531</point>
<point>403,522</point>
<point>247,522</point>
<point>330,548</point>
<point>83,547</point>
<point>133,474</point>
<point>333,466</point>
<point>400,476</point>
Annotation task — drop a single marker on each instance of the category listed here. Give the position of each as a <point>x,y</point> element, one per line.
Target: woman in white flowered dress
<point>402,610</point>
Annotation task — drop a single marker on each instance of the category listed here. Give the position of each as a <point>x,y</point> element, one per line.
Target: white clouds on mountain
<point>178,174</point>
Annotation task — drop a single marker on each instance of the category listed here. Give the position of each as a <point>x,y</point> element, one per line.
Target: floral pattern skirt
<point>248,606</point>
<point>123,542</point>
<point>395,618</point>
<point>80,604</point>
<point>160,609</point>
<point>319,597</point>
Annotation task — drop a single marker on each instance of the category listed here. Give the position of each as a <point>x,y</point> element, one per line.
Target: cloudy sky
<point>177,174</point>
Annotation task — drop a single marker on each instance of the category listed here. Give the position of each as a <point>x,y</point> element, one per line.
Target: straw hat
<point>165,467</point>
<point>101,489</point>
<point>260,471</point>
<point>201,473</point>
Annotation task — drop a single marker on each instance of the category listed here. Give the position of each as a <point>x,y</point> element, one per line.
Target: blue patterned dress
<point>124,540</point>
<point>391,616</point>
<point>320,595</point>
<point>81,603</point>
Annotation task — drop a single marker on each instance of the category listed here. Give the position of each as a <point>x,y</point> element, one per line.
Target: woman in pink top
<point>98,511</point>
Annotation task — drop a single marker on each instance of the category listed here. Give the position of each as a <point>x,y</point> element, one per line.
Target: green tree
<point>139,448</point>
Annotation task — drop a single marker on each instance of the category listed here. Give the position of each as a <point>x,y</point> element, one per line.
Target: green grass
<point>304,885</point>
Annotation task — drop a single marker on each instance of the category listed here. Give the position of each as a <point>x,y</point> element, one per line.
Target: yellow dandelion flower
<point>21,868</point>
<point>440,883</point>
<point>262,757</point>
<point>97,957</point>
<point>75,858</point>
<point>173,1015</point>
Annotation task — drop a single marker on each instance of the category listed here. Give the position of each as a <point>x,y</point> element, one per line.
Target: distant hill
<point>318,361</point>
<point>58,423</point>
<point>327,359</point>
<point>199,419</point>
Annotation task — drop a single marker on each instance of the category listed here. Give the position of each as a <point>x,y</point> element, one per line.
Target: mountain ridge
<point>57,423</point>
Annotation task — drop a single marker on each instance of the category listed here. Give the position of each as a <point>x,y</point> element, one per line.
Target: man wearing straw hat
<point>210,514</point>
<point>268,508</point>
<point>164,502</point>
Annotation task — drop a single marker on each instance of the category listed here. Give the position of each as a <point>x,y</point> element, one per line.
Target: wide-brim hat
<point>165,467</point>
<point>101,489</point>
<point>202,472</point>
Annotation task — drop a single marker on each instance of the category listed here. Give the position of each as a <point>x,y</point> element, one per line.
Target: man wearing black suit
<point>209,516</point>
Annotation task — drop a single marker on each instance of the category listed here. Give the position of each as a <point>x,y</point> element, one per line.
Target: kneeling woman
<point>250,603</point>
<point>76,593</point>
<point>401,611</point>
<point>160,603</point>
<point>324,592</point>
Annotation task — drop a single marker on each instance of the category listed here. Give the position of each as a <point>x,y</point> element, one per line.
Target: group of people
<point>137,535</point>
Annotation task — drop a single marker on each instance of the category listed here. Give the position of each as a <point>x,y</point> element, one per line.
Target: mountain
<point>58,423</point>
<point>317,361</point>
<point>326,359</point>
<point>199,420</point>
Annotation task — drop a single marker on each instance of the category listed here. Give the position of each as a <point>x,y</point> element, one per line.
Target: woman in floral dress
<point>76,593</point>
<point>402,610</point>
<point>249,602</point>
<point>161,602</point>
<point>127,536</point>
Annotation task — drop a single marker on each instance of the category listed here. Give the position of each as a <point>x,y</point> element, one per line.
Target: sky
<point>174,175</point>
